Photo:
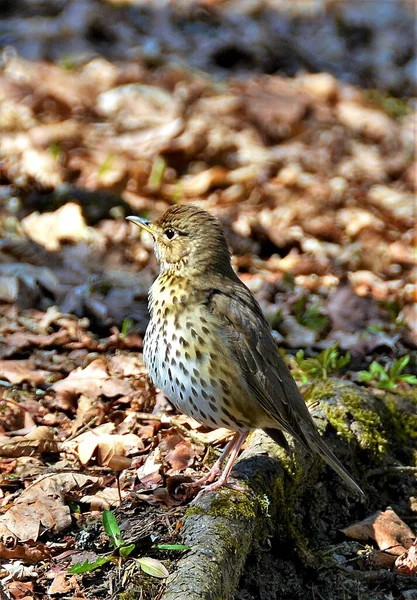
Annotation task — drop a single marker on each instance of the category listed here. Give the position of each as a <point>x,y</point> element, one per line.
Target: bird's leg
<point>233,449</point>
<point>215,469</point>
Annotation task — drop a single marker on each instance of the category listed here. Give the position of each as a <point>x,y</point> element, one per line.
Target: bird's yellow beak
<point>143,223</point>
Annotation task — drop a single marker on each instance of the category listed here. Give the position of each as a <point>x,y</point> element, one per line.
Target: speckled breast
<point>186,358</point>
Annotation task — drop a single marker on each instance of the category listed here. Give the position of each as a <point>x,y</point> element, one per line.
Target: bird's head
<point>189,242</point>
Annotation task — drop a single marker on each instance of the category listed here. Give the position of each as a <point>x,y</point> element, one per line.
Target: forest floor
<point>312,175</point>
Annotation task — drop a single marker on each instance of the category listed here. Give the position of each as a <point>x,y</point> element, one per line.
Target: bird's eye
<point>169,233</point>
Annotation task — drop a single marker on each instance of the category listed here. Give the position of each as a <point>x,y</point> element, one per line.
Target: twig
<point>393,469</point>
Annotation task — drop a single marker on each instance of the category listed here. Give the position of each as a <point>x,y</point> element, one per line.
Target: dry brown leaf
<point>49,229</point>
<point>88,408</point>
<point>92,381</point>
<point>182,456</point>
<point>104,499</point>
<point>62,583</point>
<point>21,590</point>
<point>106,447</point>
<point>25,552</point>
<point>149,473</point>
<point>20,340</point>
<point>406,564</point>
<point>42,506</point>
<point>28,445</point>
<point>386,528</point>
<point>127,365</point>
<point>17,371</point>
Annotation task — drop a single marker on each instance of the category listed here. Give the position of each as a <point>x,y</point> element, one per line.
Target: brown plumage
<point>209,347</point>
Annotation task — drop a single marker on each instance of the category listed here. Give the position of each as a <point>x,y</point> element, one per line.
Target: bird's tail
<point>320,447</point>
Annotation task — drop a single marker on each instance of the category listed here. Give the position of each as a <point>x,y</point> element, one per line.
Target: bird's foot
<point>219,484</point>
<point>207,478</point>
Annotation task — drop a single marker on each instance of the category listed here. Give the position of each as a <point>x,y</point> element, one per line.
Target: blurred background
<point>292,121</point>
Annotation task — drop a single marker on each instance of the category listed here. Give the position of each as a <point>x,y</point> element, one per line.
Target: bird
<point>210,349</point>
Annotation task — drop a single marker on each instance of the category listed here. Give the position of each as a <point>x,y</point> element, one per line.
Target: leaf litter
<point>313,180</point>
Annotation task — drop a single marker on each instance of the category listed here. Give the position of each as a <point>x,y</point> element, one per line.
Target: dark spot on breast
<point>173,362</point>
<point>194,392</point>
<point>174,337</point>
<point>177,353</point>
<point>224,385</point>
<point>205,395</point>
<point>213,382</point>
<point>169,372</point>
<point>198,355</point>
<point>203,320</point>
<point>182,387</point>
<point>194,333</point>
<point>188,324</point>
<point>183,298</point>
<point>210,418</point>
<point>162,289</point>
<point>193,380</point>
<point>166,312</point>
<point>195,371</point>
<point>181,395</point>
<point>228,415</point>
<point>200,340</point>
<point>177,381</point>
<point>213,407</point>
<point>226,401</point>
<point>203,383</point>
<point>203,414</point>
<point>187,356</point>
<point>205,330</point>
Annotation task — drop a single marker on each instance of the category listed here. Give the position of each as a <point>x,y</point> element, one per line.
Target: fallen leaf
<point>387,529</point>
<point>25,552</point>
<point>49,229</point>
<point>17,371</point>
<point>93,381</point>
<point>182,456</point>
<point>42,505</point>
<point>406,564</point>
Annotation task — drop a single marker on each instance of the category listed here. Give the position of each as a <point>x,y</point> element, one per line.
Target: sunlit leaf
<point>112,529</point>
<point>153,567</point>
<point>171,547</point>
<point>88,566</point>
<point>126,550</point>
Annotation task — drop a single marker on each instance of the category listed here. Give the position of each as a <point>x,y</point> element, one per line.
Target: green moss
<point>371,436</point>
<point>225,535</point>
<point>232,505</point>
<point>401,423</point>
<point>128,595</point>
<point>193,511</point>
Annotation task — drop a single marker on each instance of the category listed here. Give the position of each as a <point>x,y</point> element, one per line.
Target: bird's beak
<point>143,223</point>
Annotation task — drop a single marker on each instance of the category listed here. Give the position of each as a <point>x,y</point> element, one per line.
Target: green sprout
<point>327,363</point>
<point>387,378</point>
<point>121,551</point>
<point>157,173</point>
<point>311,316</point>
<point>126,327</point>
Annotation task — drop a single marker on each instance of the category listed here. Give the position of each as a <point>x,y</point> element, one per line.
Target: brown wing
<point>264,370</point>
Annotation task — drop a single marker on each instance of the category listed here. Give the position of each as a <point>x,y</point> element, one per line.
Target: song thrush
<point>209,347</point>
